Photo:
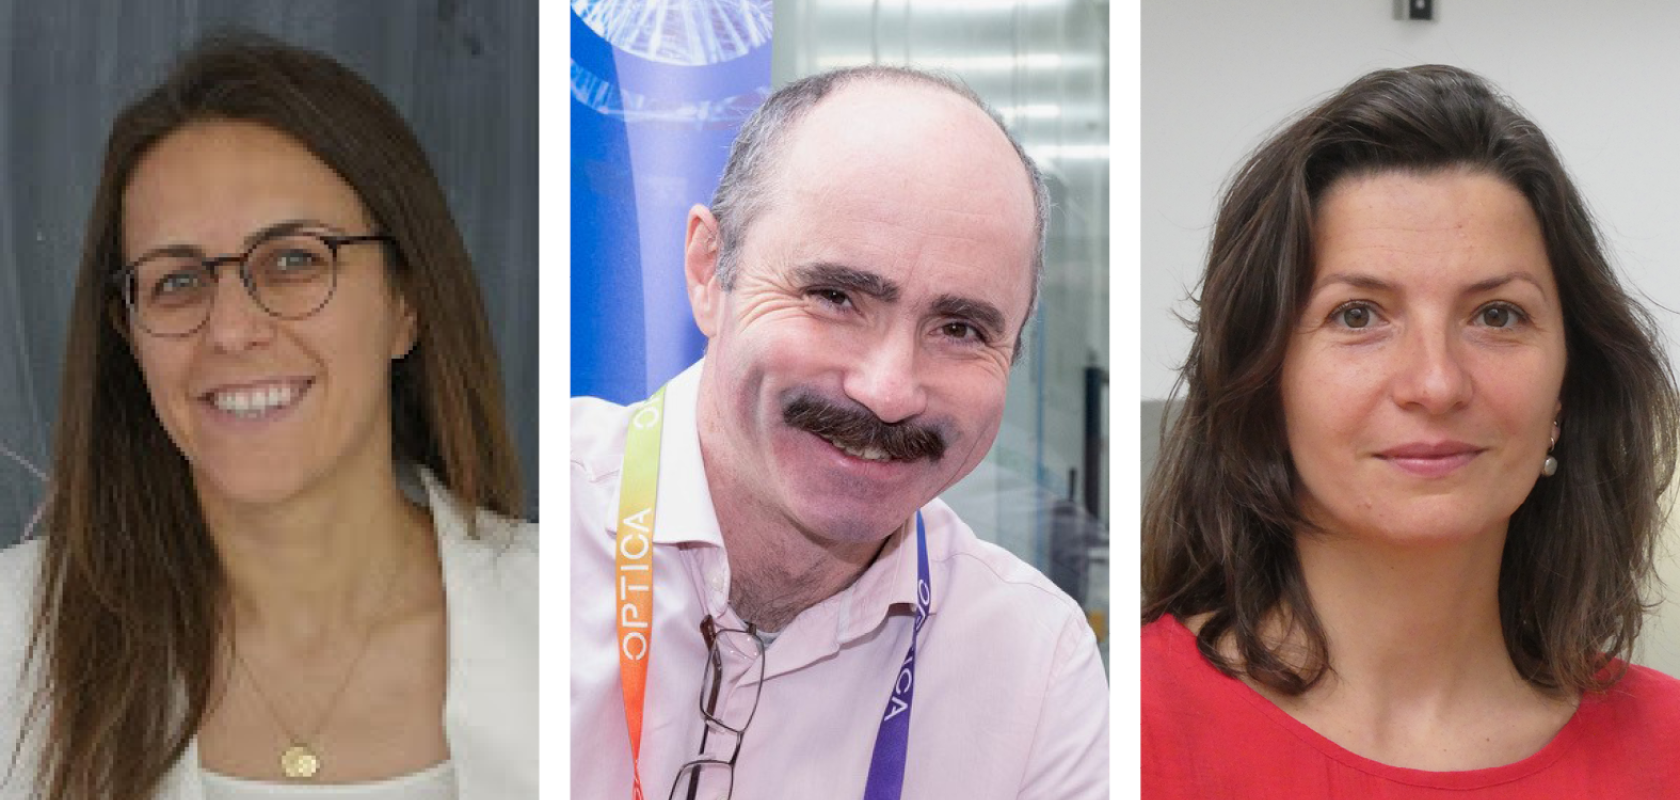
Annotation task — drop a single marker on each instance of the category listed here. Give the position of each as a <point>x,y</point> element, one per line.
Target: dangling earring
<point>1549,467</point>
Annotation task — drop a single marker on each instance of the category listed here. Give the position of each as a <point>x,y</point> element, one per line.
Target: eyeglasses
<point>291,274</point>
<point>732,655</point>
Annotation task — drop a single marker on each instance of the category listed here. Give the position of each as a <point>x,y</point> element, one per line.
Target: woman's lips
<point>1430,460</point>
<point>258,399</point>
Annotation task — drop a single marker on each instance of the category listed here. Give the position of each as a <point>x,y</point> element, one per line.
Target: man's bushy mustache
<point>858,429</point>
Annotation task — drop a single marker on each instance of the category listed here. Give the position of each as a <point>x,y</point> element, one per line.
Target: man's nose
<point>884,379</point>
<point>1431,373</point>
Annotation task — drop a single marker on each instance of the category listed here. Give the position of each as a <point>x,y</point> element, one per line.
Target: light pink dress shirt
<point>1010,696</point>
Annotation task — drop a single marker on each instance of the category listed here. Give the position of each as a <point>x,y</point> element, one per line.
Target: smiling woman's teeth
<point>250,403</point>
<point>867,453</point>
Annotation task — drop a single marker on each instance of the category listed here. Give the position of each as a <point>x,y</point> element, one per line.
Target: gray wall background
<point>462,72</point>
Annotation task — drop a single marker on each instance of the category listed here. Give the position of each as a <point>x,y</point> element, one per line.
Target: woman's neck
<point>319,563</point>
<point>1420,675</point>
<point>1407,620</point>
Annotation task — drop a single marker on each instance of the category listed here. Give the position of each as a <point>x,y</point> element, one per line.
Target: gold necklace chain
<point>301,758</point>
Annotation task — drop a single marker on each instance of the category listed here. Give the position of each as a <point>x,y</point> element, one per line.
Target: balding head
<point>754,174</point>
<point>882,247</point>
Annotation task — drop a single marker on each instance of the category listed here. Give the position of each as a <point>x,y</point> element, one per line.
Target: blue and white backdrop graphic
<point>659,90</point>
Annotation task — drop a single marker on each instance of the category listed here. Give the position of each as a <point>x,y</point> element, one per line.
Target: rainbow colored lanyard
<point>634,556</point>
<point>633,595</point>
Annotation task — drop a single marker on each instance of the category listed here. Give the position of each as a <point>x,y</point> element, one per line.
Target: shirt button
<point>717,583</point>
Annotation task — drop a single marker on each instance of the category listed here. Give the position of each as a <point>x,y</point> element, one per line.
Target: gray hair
<point>741,193</point>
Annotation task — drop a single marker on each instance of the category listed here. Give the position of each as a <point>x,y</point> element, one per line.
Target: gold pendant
<point>299,762</point>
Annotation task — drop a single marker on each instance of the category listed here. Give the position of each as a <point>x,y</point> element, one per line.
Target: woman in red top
<point>1400,533</point>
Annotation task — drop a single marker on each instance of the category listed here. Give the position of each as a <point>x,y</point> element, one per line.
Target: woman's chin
<point>248,488</point>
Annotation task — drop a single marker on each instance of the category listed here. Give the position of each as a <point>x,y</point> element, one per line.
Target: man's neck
<point>777,573</point>
<point>776,568</point>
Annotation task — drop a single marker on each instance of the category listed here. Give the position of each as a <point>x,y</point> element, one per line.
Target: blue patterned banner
<point>659,90</point>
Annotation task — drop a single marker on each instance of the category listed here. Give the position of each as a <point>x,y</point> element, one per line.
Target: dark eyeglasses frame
<point>708,707</point>
<point>123,281</point>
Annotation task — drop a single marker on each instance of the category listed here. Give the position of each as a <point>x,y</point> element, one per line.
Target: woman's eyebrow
<point>1500,280</point>
<point>285,227</point>
<point>1354,279</point>
<point>1362,281</point>
<point>277,229</point>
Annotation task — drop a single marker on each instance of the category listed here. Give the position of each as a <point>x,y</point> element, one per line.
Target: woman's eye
<point>177,282</point>
<point>294,260</point>
<point>1499,316</point>
<point>1352,316</point>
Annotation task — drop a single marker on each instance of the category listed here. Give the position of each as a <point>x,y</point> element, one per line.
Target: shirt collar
<point>888,582</point>
<point>683,512</point>
<point>886,588</point>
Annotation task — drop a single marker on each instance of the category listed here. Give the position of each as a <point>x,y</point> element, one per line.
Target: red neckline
<point>1457,779</point>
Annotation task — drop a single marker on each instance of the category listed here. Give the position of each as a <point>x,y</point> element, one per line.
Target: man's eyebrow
<point>979,312</point>
<point>849,278</point>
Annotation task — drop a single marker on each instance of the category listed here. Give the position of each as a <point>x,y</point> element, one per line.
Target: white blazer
<point>489,711</point>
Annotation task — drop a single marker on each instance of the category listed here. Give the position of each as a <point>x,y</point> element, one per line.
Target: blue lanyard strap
<point>892,742</point>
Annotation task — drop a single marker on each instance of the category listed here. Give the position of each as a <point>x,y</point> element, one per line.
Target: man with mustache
<point>768,600</point>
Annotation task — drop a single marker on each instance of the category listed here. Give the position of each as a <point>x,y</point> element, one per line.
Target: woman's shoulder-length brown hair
<point>1221,513</point>
<point>129,607</point>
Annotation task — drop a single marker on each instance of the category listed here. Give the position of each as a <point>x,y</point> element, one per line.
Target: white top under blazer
<point>490,705</point>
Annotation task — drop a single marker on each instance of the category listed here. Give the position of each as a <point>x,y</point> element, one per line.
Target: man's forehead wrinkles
<point>869,234</point>
<point>850,197</point>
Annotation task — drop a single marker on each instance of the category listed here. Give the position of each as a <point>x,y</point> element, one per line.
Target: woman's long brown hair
<point>130,605</point>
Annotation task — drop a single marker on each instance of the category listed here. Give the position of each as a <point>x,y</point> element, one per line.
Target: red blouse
<point>1206,735</point>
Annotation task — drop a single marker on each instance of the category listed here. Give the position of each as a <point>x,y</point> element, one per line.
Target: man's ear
<point>700,262</point>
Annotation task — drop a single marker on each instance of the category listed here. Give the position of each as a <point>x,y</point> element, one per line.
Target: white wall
<point>1602,79</point>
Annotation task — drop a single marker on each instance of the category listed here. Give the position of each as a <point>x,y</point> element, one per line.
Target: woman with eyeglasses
<point>279,548</point>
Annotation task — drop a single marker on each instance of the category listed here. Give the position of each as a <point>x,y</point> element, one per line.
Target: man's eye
<point>962,331</point>
<point>832,297</point>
